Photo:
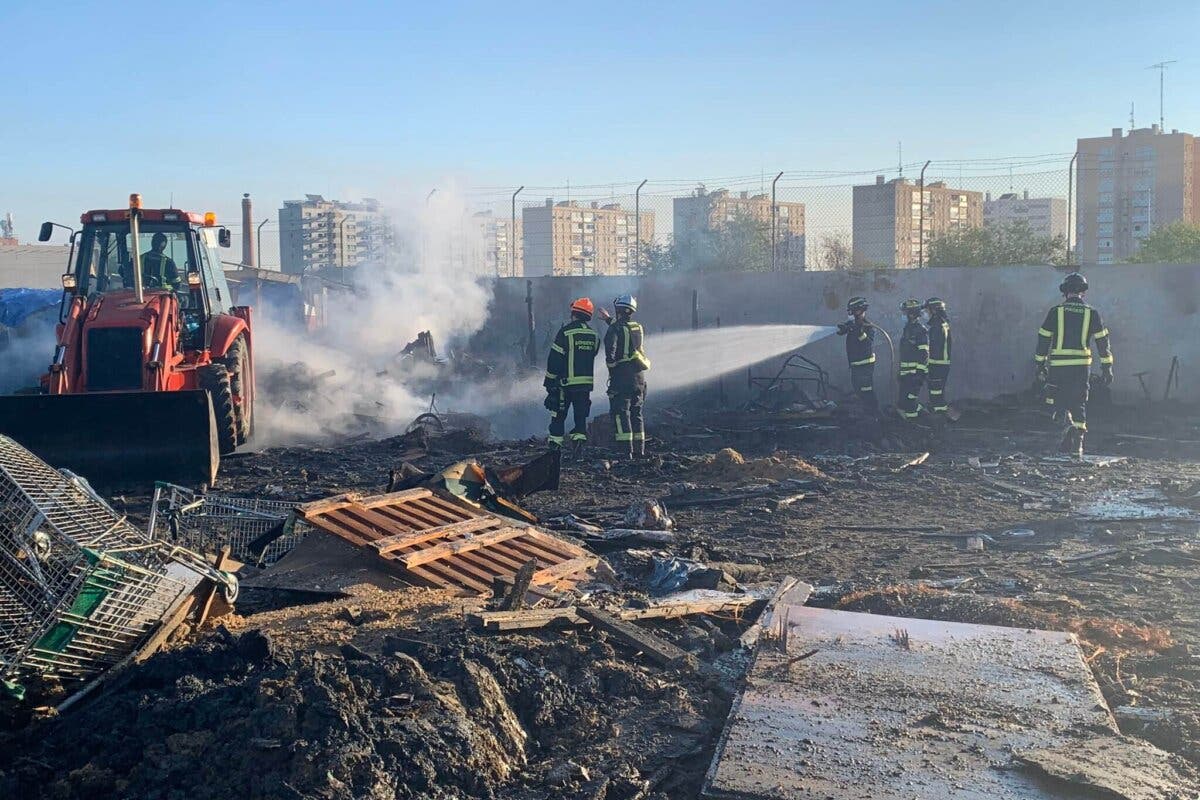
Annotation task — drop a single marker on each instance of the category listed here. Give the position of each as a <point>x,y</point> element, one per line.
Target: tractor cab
<point>177,252</point>
<point>153,366</point>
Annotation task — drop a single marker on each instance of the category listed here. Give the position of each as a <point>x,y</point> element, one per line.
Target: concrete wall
<point>32,266</point>
<point>995,312</point>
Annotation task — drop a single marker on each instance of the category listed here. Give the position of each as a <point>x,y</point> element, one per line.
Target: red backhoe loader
<point>152,377</point>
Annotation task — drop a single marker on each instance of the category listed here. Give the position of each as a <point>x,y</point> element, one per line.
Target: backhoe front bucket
<point>119,437</point>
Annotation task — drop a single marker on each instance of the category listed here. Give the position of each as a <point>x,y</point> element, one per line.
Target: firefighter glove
<point>552,401</point>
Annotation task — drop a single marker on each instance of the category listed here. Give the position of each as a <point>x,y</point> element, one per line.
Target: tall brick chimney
<point>247,232</point>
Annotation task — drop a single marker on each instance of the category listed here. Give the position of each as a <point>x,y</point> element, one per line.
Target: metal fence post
<point>637,226</point>
<point>1070,203</point>
<point>774,223</point>
<point>921,232</point>
<point>532,345</point>
<point>512,243</point>
<point>258,238</point>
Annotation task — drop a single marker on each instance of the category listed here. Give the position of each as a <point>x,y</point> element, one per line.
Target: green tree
<point>835,251</point>
<point>1176,243</point>
<point>1012,243</point>
<point>742,244</point>
<point>656,259</point>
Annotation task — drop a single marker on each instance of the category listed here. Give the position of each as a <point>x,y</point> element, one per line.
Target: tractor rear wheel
<point>237,362</point>
<point>214,379</point>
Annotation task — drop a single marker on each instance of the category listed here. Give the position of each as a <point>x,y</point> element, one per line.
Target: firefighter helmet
<point>935,304</point>
<point>1074,283</point>
<point>856,304</point>
<point>583,306</point>
<point>627,302</point>
<point>911,306</point>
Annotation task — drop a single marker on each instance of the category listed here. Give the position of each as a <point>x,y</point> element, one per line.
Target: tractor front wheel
<point>237,363</point>
<point>214,379</point>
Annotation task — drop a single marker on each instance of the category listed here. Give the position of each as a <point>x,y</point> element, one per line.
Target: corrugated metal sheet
<point>841,705</point>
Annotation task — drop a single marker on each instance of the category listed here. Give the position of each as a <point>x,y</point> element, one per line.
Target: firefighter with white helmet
<point>627,363</point>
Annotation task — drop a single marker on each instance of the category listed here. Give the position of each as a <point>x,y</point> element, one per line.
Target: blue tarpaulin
<point>17,304</point>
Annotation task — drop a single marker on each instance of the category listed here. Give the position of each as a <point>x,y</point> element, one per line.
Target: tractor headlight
<point>68,281</point>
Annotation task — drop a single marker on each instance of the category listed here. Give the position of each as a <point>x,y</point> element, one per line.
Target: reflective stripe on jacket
<point>860,343</point>
<point>939,340</point>
<point>623,348</point>
<point>914,349</point>
<point>1064,340</point>
<point>572,356</point>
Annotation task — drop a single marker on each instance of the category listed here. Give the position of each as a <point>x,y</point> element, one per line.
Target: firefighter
<point>158,269</point>
<point>914,360</point>
<point>860,351</point>
<point>939,355</point>
<point>1064,356</point>
<point>627,366</point>
<point>569,375</point>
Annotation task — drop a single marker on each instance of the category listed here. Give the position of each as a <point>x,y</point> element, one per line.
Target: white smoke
<point>431,283</point>
<point>26,351</point>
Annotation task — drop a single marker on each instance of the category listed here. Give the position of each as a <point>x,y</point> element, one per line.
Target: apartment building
<point>1045,216</point>
<point>1130,184</point>
<point>887,220</point>
<point>493,244</point>
<point>699,215</point>
<point>316,234</point>
<point>567,238</point>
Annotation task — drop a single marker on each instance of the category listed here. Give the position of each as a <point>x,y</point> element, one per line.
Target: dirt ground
<point>392,695</point>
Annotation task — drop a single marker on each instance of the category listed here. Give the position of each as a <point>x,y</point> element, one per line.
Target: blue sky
<point>209,100</point>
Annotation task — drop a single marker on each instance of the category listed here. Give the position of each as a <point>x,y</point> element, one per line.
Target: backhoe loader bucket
<point>119,437</point>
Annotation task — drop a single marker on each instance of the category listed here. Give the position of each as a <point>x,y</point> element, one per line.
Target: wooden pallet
<point>438,541</point>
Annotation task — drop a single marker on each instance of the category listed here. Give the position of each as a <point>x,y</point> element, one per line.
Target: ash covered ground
<point>390,694</point>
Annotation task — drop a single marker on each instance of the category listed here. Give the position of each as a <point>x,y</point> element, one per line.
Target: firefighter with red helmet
<point>1064,359</point>
<point>569,374</point>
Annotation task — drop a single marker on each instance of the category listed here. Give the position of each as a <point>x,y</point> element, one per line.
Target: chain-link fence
<point>973,212</point>
<point>980,211</point>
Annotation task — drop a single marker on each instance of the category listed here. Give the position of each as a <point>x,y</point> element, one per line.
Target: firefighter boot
<point>1072,442</point>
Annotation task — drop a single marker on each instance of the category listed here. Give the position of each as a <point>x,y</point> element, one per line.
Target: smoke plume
<point>351,374</point>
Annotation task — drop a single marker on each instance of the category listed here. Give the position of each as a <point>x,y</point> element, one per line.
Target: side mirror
<point>224,238</point>
<point>46,230</point>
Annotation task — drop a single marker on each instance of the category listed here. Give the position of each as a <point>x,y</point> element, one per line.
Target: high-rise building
<point>1130,184</point>
<point>1045,216</point>
<point>567,238</point>
<point>492,246</point>
<point>888,220</point>
<point>699,215</point>
<point>316,234</point>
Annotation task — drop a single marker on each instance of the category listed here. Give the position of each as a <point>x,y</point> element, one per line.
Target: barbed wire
<point>824,199</point>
